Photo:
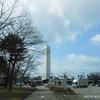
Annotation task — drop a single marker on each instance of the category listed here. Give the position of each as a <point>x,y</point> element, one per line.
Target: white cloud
<point>96,39</point>
<point>76,64</point>
<point>66,23</point>
<point>61,20</point>
<point>55,7</point>
<point>66,18</point>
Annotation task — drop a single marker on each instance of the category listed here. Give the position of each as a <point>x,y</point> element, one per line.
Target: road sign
<point>20,81</point>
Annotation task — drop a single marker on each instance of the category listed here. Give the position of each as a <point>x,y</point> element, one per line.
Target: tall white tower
<point>45,62</point>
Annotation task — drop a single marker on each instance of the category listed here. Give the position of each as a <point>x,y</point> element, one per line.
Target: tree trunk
<point>9,86</point>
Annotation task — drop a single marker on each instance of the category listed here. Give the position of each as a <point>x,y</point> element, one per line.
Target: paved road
<point>42,93</point>
<point>91,90</point>
<point>90,93</point>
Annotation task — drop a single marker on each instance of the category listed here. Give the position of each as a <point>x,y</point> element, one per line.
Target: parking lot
<point>92,92</point>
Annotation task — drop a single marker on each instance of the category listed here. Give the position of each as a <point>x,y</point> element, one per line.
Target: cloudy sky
<point>72,30</point>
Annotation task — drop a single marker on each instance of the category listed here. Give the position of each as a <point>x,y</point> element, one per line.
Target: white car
<point>18,84</point>
<point>98,84</point>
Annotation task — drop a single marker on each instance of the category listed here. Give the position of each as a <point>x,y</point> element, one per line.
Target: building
<point>45,62</point>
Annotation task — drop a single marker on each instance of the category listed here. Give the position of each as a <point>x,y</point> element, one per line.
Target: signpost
<point>20,81</point>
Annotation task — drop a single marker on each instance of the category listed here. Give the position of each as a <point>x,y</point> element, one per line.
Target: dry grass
<point>16,93</point>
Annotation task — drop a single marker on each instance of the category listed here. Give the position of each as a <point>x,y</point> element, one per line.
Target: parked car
<point>68,86</point>
<point>92,84</point>
<point>33,85</point>
<point>98,84</point>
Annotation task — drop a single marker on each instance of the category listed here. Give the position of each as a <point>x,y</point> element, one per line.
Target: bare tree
<point>7,14</point>
<point>94,76</point>
<point>30,64</point>
<point>19,24</point>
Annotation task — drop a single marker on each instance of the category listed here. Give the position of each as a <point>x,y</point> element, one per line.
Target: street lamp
<point>64,80</point>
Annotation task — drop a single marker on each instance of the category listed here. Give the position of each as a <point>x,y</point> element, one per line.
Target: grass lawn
<point>16,93</point>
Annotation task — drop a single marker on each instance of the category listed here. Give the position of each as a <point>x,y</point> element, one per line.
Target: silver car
<point>68,86</point>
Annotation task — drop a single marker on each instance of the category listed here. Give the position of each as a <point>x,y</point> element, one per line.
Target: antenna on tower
<point>52,74</point>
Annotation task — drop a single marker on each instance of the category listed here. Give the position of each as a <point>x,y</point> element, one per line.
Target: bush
<point>56,89</point>
<point>60,90</point>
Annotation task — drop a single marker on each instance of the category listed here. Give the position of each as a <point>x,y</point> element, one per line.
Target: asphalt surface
<point>90,93</point>
<point>91,90</point>
<point>42,93</point>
